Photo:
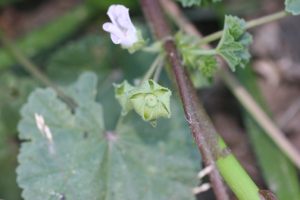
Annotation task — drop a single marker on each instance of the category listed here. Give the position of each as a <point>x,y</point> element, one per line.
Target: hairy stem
<point>250,24</point>
<point>201,127</point>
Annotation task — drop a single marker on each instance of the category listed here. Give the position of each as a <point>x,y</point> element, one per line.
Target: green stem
<point>210,38</point>
<point>152,68</point>
<point>250,24</point>
<point>158,72</point>
<point>205,52</point>
<point>266,19</point>
<point>236,177</point>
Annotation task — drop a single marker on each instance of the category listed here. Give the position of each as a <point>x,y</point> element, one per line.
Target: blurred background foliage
<point>65,38</point>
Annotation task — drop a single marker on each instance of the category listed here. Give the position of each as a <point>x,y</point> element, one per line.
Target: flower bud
<point>151,101</point>
<point>122,92</point>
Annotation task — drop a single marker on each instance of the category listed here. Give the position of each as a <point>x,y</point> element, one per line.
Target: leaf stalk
<point>250,24</point>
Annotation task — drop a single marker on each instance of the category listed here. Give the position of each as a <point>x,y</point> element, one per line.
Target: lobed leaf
<point>292,6</point>
<point>233,46</point>
<point>86,161</point>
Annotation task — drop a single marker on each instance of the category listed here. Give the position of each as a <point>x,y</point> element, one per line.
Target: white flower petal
<point>107,26</point>
<point>121,28</point>
<point>115,11</point>
<point>111,28</point>
<point>115,39</point>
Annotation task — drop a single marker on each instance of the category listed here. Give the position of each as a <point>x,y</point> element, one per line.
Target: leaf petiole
<point>205,52</point>
<point>250,24</point>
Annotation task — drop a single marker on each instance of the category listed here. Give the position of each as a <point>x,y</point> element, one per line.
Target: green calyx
<point>122,95</point>
<point>150,100</point>
<point>138,45</point>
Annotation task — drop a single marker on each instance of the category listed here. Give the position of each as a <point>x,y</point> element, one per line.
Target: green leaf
<point>189,3</point>
<point>13,93</point>
<point>207,65</point>
<point>195,60</point>
<point>233,46</point>
<point>292,6</point>
<point>85,161</point>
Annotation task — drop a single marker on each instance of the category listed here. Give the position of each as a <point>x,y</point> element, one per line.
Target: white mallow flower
<point>121,29</point>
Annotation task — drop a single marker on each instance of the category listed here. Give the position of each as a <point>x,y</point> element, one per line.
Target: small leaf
<point>207,65</point>
<point>195,57</point>
<point>292,6</point>
<point>187,45</point>
<point>233,46</point>
<point>196,62</point>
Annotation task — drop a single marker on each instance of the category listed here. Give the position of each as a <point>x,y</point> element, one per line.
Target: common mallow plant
<point>85,151</point>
